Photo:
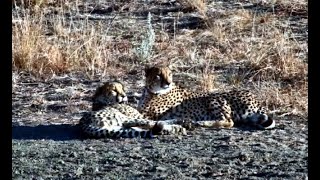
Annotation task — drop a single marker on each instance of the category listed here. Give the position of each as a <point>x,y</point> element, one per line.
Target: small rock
<point>159,168</point>
<point>243,157</point>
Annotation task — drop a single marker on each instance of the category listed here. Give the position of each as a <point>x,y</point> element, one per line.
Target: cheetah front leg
<point>169,126</point>
<point>142,123</point>
<point>150,123</point>
<point>162,128</point>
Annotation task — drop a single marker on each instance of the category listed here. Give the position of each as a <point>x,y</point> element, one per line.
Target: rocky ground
<point>48,145</point>
<point>222,154</point>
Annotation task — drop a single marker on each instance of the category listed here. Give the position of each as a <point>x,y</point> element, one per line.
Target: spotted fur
<point>110,117</point>
<point>162,99</point>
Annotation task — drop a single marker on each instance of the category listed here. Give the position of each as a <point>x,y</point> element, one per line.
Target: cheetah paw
<point>166,129</point>
<point>188,124</point>
<point>174,129</point>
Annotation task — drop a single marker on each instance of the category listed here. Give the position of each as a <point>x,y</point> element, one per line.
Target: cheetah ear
<point>97,92</point>
<point>147,68</point>
<point>124,88</point>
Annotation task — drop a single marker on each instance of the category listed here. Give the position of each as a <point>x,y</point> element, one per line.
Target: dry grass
<point>46,46</point>
<point>29,3</point>
<point>32,52</point>
<point>198,5</point>
<point>263,49</point>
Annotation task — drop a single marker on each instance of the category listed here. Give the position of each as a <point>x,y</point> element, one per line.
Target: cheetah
<point>116,119</point>
<point>162,99</point>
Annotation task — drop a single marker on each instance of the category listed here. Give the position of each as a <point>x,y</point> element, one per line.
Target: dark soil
<point>217,154</point>
<point>47,143</point>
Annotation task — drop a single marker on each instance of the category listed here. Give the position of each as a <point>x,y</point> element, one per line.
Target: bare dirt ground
<point>47,144</point>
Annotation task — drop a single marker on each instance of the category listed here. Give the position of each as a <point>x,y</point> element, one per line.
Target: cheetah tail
<point>266,122</point>
<point>117,132</point>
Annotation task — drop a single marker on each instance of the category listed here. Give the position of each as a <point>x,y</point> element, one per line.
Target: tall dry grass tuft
<point>29,3</point>
<point>46,45</point>
<point>207,82</point>
<point>276,59</point>
<point>32,51</point>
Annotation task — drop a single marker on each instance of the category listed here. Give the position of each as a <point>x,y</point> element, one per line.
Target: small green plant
<point>145,50</point>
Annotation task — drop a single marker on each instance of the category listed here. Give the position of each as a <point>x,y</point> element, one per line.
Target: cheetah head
<point>108,94</point>
<point>158,79</point>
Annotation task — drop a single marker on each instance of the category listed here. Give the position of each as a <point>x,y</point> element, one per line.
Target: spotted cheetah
<point>117,119</point>
<point>162,99</point>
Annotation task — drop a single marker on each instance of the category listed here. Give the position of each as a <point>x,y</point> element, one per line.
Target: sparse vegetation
<point>145,50</point>
<point>240,47</point>
<point>199,5</point>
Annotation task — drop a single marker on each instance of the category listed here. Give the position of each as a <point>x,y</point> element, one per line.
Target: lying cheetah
<point>116,119</point>
<point>162,99</point>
